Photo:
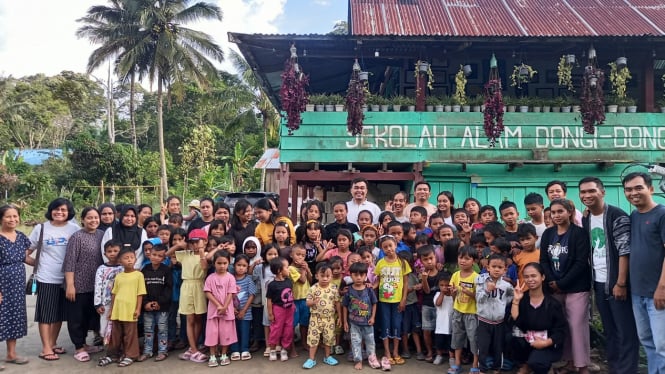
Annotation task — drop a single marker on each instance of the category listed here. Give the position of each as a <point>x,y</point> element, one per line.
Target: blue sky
<point>43,41</point>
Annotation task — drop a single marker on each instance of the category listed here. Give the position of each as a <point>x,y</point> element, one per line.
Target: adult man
<point>557,189</point>
<point>422,192</point>
<point>647,267</point>
<point>171,206</point>
<point>359,202</point>
<point>609,228</point>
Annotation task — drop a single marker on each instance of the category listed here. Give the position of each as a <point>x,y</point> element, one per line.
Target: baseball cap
<point>194,204</point>
<point>197,234</point>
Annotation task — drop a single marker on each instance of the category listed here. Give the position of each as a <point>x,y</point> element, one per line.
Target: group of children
<point>418,279</point>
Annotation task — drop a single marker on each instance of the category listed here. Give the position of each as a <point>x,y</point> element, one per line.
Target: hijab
<point>127,235</point>
<point>103,226</point>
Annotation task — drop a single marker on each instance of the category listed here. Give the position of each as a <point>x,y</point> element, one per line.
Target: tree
<point>340,28</point>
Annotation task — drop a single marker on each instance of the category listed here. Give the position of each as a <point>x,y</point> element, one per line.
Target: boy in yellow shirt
<point>464,319</point>
<point>301,276</point>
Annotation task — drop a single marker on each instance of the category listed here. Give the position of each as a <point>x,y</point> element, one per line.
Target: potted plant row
<point>325,102</point>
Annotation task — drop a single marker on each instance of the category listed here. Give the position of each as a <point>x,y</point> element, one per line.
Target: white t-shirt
<point>54,248</point>
<point>540,229</point>
<point>354,209</point>
<point>443,315</point>
<point>598,248</point>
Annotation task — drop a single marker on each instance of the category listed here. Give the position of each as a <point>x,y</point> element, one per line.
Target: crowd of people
<point>474,284</point>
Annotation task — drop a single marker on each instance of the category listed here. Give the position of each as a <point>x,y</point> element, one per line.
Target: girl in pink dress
<point>220,287</point>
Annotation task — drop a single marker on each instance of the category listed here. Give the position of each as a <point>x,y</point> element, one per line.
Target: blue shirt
<point>246,287</point>
<point>647,236</point>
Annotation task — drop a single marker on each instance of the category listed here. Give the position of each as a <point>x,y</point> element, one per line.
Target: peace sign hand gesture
<point>519,292</point>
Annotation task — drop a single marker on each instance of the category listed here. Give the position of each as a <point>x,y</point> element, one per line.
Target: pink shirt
<point>220,286</point>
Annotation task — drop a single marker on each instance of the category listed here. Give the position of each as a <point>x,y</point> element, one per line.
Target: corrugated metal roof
<point>269,160</point>
<point>515,18</point>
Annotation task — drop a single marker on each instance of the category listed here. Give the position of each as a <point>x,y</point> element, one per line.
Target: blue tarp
<point>36,157</point>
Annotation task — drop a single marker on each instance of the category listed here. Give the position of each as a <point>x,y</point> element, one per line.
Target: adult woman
<point>50,308</point>
<point>80,265</point>
<point>207,215</point>
<point>13,247</point>
<point>540,317</point>
<point>106,216</point>
<point>242,222</point>
<point>400,200</point>
<point>128,233</point>
<point>564,255</point>
<point>223,213</point>
<point>144,211</point>
<point>263,210</point>
<point>445,201</point>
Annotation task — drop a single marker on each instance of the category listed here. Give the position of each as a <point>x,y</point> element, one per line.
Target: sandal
<point>474,371</point>
<point>59,350</point>
<point>198,357</point>
<point>161,357</point>
<point>235,356</point>
<point>385,364</point>
<point>49,356</point>
<point>330,360</point>
<point>144,357</point>
<point>105,361</point>
<point>398,360</point>
<point>82,356</point>
<point>454,369</point>
<point>246,356</point>
<point>373,362</point>
<point>125,362</point>
<point>18,361</point>
<point>309,364</point>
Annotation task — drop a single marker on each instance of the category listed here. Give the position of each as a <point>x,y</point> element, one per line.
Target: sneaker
<point>224,360</point>
<point>283,355</point>
<point>212,362</point>
<point>339,350</point>
<point>373,362</point>
<point>185,355</point>
<point>235,356</point>
<point>420,356</point>
<point>438,360</point>
<point>330,360</point>
<point>385,364</point>
<point>273,356</point>
<point>406,355</point>
<point>266,353</point>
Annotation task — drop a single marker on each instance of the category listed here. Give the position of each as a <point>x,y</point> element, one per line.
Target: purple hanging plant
<point>592,100</point>
<point>293,93</point>
<point>493,114</point>
<point>355,100</point>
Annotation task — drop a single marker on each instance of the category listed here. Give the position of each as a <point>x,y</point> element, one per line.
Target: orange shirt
<point>524,258</point>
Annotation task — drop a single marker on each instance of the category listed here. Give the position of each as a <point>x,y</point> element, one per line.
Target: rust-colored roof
<point>515,18</point>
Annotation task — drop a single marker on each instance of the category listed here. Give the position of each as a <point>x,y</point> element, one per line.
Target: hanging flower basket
<point>293,93</point>
<point>355,101</point>
<point>592,100</point>
<point>493,112</point>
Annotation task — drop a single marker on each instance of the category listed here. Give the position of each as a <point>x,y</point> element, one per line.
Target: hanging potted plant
<point>592,100</point>
<point>619,78</point>
<point>459,98</point>
<point>661,102</point>
<point>564,73</point>
<point>522,74</point>
<point>293,93</point>
<point>355,101</point>
<point>423,68</point>
<point>493,117</point>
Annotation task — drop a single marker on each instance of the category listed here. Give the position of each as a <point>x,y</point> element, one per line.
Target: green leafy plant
<point>430,76</point>
<point>522,74</point>
<point>460,87</point>
<point>619,79</point>
<point>564,73</point>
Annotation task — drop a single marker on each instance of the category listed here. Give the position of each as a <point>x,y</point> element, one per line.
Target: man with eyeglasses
<point>647,267</point>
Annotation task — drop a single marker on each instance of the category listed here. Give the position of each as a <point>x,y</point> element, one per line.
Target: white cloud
<point>38,36</point>
<point>322,2</point>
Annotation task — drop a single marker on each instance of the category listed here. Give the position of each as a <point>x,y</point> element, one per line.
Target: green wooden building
<point>449,149</point>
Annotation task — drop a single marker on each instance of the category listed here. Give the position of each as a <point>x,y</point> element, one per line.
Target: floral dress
<point>13,317</point>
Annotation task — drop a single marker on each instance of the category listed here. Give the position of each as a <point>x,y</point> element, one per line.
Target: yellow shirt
<point>328,297</point>
<point>264,231</point>
<point>191,265</point>
<point>127,288</point>
<point>299,289</point>
<point>464,303</point>
<point>391,279</point>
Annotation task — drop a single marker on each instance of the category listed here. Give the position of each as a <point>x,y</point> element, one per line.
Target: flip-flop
<point>49,356</point>
<point>18,361</point>
<point>59,350</point>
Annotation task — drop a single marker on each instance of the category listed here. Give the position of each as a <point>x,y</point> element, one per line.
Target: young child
<point>533,202</point>
<point>217,228</point>
<point>411,322</point>
<point>530,252</point>
<point>156,304</point>
<point>337,265</point>
<point>340,211</point>
<point>323,299</point>
<point>493,295</point>
<point>445,233</point>
<point>418,218</point>
<point>428,279</point>
<point>487,214</point>
<point>279,297</point>
<point>282,236</point>
<point>365,218</point>
<point>263,276</point>
<point>367,257</point>
<point>178,238</point>
<point>510,217</point>
<point>395,230</point>
<point>443,301</point>
<point>251,247</point>
<point>164,233</point>
<point>435,221</point>
<point>392,278</point>
<point>312,242</point>
<point>343,249</point>
<point>127,295</point>
<point>192,257</point>
<point>219,288</point>
<point>175,220</point>
<point>465,322</point>
<point>409,238</point>
<point>370,234</point>
<point>104,279</point>
<point>502,247</point>
<point>359,315</point>
<point>301,277</point>
<point>245,296</point>
<point>547,217</point>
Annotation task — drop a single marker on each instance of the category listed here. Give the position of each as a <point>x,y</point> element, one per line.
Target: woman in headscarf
<point>106,216</point>
<point>127,232</point>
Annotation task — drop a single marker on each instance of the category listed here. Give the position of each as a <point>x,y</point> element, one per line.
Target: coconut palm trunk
<point>160,131</point>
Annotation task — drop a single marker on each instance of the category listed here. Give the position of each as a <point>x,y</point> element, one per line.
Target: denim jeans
<point>150,319</point>
<point>650,324</point>
<point>242,331</point>
<point>358,335</point>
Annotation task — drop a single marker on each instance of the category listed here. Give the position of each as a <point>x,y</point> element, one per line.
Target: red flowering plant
<point>355,100</point>
<point>592,101</point>
<point>493,115</point>
<point>292,93</point>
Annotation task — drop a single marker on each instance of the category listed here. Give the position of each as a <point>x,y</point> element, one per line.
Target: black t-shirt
<point>428,298</point>
<point>197,223</point>
<point>281,292</point>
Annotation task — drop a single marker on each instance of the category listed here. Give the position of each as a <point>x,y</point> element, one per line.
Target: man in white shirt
<point>422,192</point>
<point>359,202</point>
